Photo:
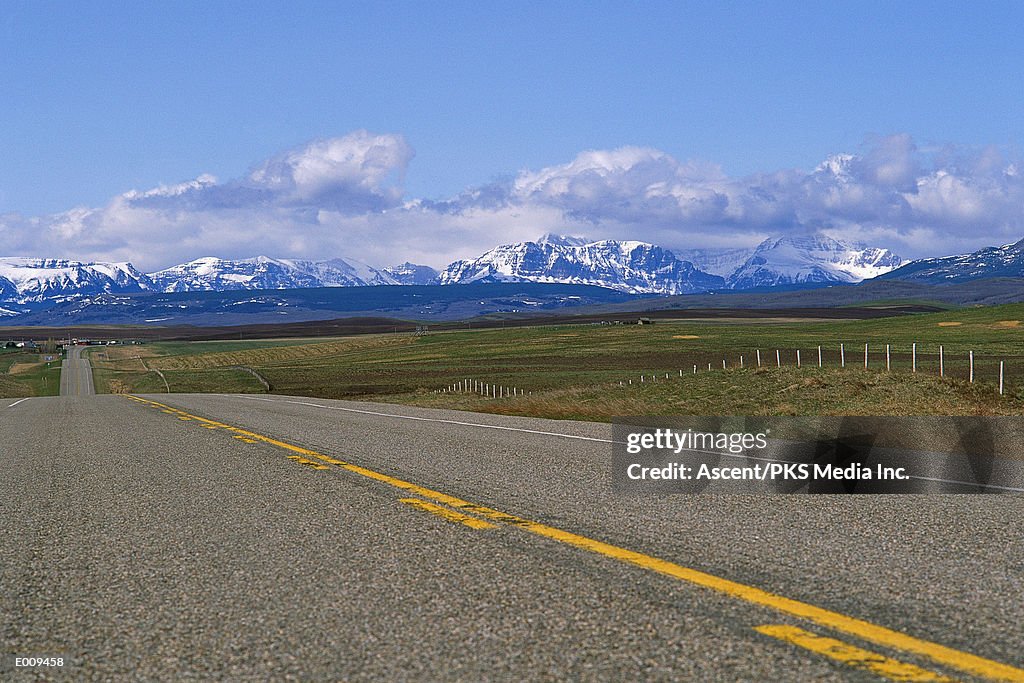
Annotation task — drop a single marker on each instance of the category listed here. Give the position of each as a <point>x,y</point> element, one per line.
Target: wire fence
<point>1002,372</point>
<point>485,389</point>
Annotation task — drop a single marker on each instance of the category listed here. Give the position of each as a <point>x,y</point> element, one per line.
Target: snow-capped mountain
<point>626,266</point>
<point>722,262</point>
<point>31,282</point>
<point>811,259</point>
<point>34,280</point>
<point>634,267</point>
<point>411,274</point>
<point>214,274</point>
<point>1004,261</point>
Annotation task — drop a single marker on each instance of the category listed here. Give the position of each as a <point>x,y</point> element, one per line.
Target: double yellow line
<point>962,661</point>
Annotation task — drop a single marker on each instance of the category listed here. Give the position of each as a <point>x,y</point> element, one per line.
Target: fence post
<point>865,356</point>
<point>680,372</point>
<point>971,354</point>
<point>741,361</point>
<point>819,355</point>
<point>888,367</point>
<point>1000,378</point>
<point>759,358</point>
<point>842,356</point>
<point>942,365</point>
<point>798,357</point>
<point>778,358</point>
<point>914,356</point>
<point>723,364</point>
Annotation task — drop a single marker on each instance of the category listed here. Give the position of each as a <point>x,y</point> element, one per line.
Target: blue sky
<point>99,99</point>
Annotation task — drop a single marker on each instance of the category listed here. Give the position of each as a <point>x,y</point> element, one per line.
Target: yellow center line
<point>445,513</point>
<point>299,459</point>
<point>865,630</point>
<point>855,657</point>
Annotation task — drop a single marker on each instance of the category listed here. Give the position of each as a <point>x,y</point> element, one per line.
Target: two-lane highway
<point>249,537</point>
<point>76,374</point>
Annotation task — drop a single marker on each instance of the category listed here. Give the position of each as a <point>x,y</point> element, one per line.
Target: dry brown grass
<point>280,355</point>
<point>116,386</point>
<point>22,368</point>
<point>786,391</point>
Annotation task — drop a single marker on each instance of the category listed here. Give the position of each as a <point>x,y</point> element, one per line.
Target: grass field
<point>27,374</point>
<point>575,371</point>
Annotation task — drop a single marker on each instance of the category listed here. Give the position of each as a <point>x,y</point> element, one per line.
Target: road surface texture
<point>207,537</point>
<point>76,374</point>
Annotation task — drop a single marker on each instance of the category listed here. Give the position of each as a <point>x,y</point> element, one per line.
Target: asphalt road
<point>76,374</point>
<point>266,538</point>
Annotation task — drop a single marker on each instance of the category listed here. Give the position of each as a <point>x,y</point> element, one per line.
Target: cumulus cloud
<point>344,197</point>
<point>360,172</point>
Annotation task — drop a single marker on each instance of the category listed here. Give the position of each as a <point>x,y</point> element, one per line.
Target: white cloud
<point>360,170</point>
<point>343,197</point>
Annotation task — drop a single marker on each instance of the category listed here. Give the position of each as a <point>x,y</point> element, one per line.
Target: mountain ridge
<point>628,266</point>
<point>989,262</point>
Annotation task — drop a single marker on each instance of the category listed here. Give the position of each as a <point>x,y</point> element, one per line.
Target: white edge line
<point>583,438</point>
<point>17,402</point>
<point>427,419</point>
<point>586,438</point>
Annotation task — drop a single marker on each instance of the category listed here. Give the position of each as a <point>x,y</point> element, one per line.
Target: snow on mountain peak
<point>262,272</point>
<point>837,165</point>
<point>811,258</point>
<point>629,266</point>
<point>562,240</point>
<point>1004,261</point>
<point>32,280</point>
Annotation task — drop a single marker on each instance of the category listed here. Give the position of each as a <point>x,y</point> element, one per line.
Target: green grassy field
<point>575,371</point>
<point>27,374</point>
